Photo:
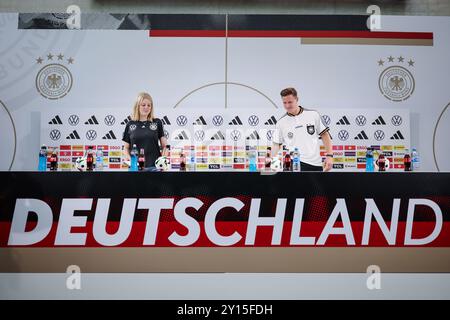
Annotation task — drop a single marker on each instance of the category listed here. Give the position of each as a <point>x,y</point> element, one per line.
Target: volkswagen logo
<point>199,135</point>
<point>396,120</point>
<point>378,135</point>
<point>269,135</point>
<point>166,134</point>
<point>360,120</point>
<point>91,135</point>
<point>217,120</point>
<point>73,120</point>
<point>343,135</point>
<point>55,134</point>
<point>326,119</point>
<point>253,120</point>
<point>110,120</point>
<point>235,135</point>
<point>181,121</point>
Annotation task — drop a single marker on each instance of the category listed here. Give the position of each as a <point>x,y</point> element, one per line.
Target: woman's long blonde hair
<point>141,96</point>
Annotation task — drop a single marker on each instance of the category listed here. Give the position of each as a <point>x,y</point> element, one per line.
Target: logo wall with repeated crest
<point>54,80</point>
<point>396,81</point>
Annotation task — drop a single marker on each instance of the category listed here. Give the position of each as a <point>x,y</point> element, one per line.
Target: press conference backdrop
<point>218,138</point>
<point>388,89</point>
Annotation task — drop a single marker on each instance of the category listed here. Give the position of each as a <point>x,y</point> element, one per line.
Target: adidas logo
<point>397,136</point>
<point>126,120</point>
<point>165,121</point>
<point>379,121</point>
<point>181,136</point>
<point>253,136</point>
<point>200,121</point>
<point>236,121</point>
<point>362,136</point>
<point>73,135</point>
<point>92,120</point>
<point>218,136</point>
<point>271,120</point>
<point>343,121</point>
<point>110,135</point>
<point>55,120</point>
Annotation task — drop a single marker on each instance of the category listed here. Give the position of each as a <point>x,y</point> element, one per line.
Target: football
<point>386,164</point>
<point>275,164</point>
<point>80,164</point>
<point>162,163</point>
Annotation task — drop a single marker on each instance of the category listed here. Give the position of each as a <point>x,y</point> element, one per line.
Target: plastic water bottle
<point>369,160</point>
<point>192,162</point>
<point>99,160</point>
<point>415,160</point>
<point>252,161</point>
<point>42,166</point>
<point>134,159</point>
<point>296,161</point>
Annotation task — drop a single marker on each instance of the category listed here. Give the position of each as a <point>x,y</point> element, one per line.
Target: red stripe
<point>187,33</point>
<point>263,234</point>
<point>291,34</point>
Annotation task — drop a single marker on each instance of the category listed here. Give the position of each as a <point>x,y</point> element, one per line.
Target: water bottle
<point>99,160</point>
<point>252,161</point>
<point>296,161</point>
<point>415,160</point>
<point>369,160</point>
<point>192,162</point>
<point>42,166</point>
<point>134,159</point>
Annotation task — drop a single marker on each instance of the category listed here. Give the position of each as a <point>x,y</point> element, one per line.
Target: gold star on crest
<point>400,59</point>
<point>60,56</point>
<point>49,56</point>
<point>380,62</point>
<point>391,59</point>
<point>411,63</point>
<point>70,60</point>
<point>39,60</point>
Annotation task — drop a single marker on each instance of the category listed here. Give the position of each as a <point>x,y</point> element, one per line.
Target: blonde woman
<point>145,131</point>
